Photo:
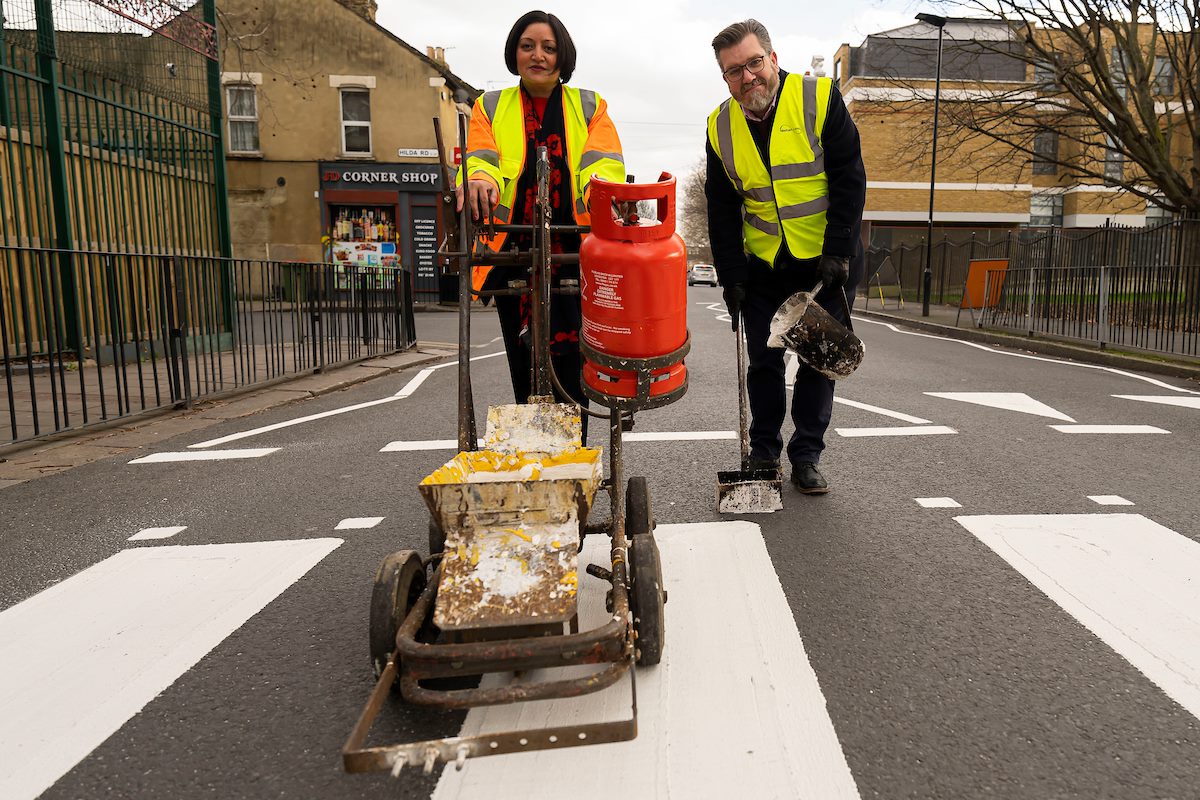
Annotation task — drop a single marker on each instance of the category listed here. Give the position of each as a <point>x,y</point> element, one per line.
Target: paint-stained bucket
<point>817,339</point>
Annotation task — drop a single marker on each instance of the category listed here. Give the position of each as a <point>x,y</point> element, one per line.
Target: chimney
<point>364,8</point>
<point>439,55</point>
<point>818,66</point>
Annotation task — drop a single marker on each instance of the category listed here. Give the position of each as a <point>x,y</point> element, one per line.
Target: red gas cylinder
<point>633,288</point>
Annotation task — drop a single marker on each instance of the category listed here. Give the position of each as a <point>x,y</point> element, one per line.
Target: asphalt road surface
<point>999,597</point>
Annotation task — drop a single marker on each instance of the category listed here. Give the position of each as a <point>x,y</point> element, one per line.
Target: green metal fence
<point>110,141</point>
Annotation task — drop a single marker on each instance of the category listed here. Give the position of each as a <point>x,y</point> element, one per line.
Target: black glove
<point>834,270</point>
<point>734,294</point>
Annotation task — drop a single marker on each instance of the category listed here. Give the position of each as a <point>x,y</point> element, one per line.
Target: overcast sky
<point>652,61</point>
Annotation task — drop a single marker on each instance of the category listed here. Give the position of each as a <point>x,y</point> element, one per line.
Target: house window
<point>1043,75</point>
<point>1164,76</point>
<point>1045,153</point>
<point>837,70</point>
<point>242,101</point>
<point>1157,215</point>
<point>356,121</point>
<point>1114,161</point>
<point>1116,66</point>
<point>1045,210</point>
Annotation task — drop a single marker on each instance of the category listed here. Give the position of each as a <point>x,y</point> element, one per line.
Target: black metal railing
<point>1115,286</point>
<point>87,337</point>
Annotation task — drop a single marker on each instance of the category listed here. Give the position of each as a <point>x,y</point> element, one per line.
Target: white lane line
<point>1060,362</point>
<point>1108,429</point>
<point>1167,400</point>
<point>157,533</point>
<point>752,723</point>
<point>937,502</point>
<point>211,455</point>
<point>233,437</point>
<point>1109,500</point>
<point>82,657</point>
<point>454,363</point>
<point>428,444</point>
<point>914,430</point>
<point>885,412</point>
<point>358,523</point>
<point>1129,580</point>
<point>1008,401</point>
<point>414,384</point>
<point>677,436</point>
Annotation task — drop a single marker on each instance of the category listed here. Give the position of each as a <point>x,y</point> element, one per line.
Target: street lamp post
<point>927,276</point>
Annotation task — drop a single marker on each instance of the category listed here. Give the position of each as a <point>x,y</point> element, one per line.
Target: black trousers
<point>565,319</point>
<point>812,395</point>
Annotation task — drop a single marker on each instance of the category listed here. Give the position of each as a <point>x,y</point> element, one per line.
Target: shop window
<point>242,102</point>
<point>363,243</point>
<point>1045,210</point>
<point>1045,153</point>
<point>356,121</point>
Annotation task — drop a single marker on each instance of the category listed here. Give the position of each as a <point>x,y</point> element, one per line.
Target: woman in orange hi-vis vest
<point>507,127</point>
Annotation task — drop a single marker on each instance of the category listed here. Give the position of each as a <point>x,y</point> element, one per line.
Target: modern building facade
<point>331,146</point>
<point>983,186</point>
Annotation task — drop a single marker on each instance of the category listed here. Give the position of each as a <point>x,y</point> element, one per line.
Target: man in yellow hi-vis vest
<point>785,189</point>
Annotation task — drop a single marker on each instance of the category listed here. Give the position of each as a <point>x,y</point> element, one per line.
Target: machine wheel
<point>398,584</point>
<point>639,518</point>
<point>646,599</point>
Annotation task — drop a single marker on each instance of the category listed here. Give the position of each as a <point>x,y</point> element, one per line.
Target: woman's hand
<point>482,197</point>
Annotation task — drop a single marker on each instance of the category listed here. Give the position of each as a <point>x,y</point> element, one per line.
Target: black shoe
<point>808,479</point>
<point>762,464</point>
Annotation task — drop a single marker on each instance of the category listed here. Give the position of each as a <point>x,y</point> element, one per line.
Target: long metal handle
<point>743,422</point>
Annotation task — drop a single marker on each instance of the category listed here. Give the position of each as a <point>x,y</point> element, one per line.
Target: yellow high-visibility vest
<point>789,201</point>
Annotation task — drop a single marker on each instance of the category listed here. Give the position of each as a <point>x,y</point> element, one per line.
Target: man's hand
<point>834,270</point>
<point>734,294</point>
<point>482,197</point>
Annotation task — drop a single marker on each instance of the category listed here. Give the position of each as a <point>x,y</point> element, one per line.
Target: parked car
<point>702,273</point>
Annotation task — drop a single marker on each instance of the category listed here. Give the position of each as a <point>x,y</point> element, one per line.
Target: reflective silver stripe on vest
<point>725,146</point>
<point>502,213</point>
<point>580,206</point>
<point>588,99</point>
<point>764,195</point>
<point>808,170</point>
<point>490,101</point>
<point>592,156</point>
<point>810,116</point>
<point>488,156</point>
<point>804,209</point>
<point>769,228</point>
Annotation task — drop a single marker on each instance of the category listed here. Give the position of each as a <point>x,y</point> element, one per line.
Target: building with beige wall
<point>331,146</point>
<point>982,185</point>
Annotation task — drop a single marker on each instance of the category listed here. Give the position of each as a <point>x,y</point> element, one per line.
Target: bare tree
<point>1111,95</point>
<point>693,207</point>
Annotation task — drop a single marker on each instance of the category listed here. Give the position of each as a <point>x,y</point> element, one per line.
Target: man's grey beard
<point>758,103</point>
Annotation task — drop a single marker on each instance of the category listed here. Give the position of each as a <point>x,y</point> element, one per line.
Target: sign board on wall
<point>395,177</point>
<point>417,152</point>
<point>424,238</point>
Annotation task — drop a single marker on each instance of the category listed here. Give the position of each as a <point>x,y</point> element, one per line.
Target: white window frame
<point>230,118</point>
<point>344,123</point>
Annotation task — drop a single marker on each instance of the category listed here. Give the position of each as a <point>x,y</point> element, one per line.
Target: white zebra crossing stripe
<point>210,455</point>
<point>82,657</point>
<point>1129,580</point>
<point>1168,400</point>
<point>1008,401</point>
<point>750,722</point>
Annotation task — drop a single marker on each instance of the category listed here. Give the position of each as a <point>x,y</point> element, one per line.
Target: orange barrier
<point>977,280</point>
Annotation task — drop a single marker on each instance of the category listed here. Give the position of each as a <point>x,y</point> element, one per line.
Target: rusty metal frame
<point>611,644</point>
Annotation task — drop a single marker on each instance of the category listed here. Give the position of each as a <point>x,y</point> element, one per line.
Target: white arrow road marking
<point>1009,401</point>
<point>1129,580</point>
<point>1108,429</point>
<point>938,502</point>
<point>157,533</point>
<point>82,657</point>
<point>907,430</point>
<point>211,455</point>
<point>1058,361</point>
<point>428,444</point>
<point>885,412</point>
<point>745,720</point>
<point>1167,400</point>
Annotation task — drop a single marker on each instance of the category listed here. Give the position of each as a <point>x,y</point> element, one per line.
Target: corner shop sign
<point>404,177</point>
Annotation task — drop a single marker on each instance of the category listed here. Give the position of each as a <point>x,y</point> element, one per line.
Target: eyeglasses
<point>755,65</point>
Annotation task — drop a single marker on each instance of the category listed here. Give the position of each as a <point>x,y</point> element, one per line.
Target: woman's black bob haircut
<point>566,46</point>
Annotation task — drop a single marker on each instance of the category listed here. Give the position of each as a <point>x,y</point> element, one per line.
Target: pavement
<point>71,449</point>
